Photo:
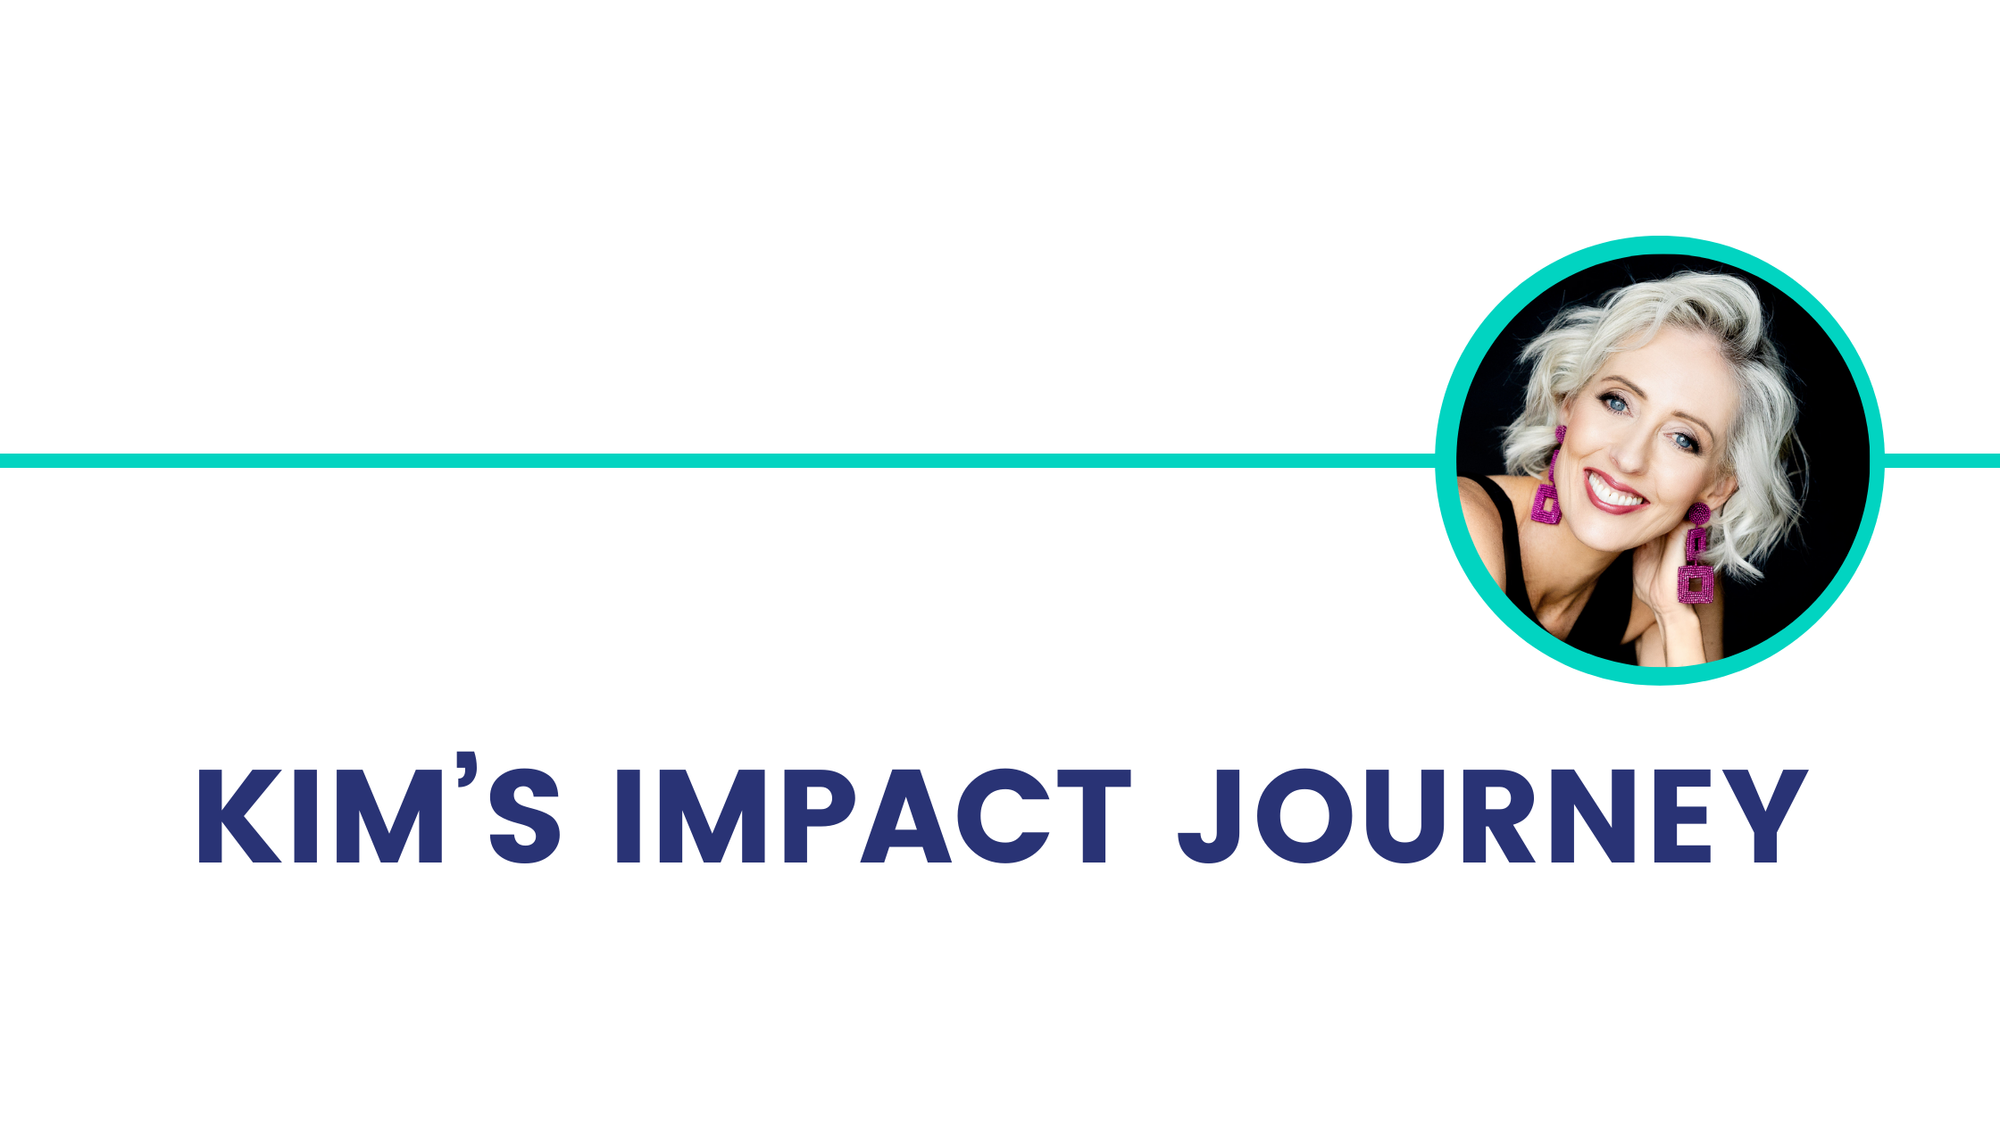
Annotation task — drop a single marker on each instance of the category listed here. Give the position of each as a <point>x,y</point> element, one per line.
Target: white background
<point>861,228</point>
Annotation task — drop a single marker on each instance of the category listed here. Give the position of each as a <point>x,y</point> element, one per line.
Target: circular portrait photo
<point>1663,461</point>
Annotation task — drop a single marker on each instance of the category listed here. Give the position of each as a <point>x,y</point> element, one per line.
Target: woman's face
<point>1645,441</point>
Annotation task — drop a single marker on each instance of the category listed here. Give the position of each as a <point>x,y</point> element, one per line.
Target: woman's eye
<point>1614,402</point>
<point>1688,443</point>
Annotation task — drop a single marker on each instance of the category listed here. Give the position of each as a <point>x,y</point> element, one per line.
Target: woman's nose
<point>1628,459</point>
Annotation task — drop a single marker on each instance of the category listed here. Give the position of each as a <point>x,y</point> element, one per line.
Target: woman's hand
<point>1656,582</point>
<point>1656,573</point>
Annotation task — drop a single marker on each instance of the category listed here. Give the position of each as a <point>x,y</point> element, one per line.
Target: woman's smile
<point>1611,494</point>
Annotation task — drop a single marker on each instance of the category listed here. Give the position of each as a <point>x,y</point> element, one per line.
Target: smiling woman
<point>1655,444</point>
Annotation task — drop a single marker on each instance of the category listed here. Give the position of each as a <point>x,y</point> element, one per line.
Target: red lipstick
<point>1616,485</point>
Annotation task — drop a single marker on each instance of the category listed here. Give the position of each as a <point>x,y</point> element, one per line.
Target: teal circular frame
<point>1454,407</point>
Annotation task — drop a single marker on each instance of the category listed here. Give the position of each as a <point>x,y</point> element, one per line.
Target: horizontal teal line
<point>1941,460</point>
<point>717,461</point>
<point>810,460</point>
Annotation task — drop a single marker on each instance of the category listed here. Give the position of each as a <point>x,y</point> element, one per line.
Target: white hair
<point>1759,446</point>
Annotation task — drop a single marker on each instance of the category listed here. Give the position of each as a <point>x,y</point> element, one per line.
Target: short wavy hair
<point>1760,447</point>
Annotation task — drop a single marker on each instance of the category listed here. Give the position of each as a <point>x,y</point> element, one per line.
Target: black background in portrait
<point>1833,430</point>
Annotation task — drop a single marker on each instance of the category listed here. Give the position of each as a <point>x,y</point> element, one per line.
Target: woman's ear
<point>1720,492</point>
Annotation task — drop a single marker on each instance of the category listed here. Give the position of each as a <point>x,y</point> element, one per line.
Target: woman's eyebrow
<point>1627,384</point>
<point>1704,425</point>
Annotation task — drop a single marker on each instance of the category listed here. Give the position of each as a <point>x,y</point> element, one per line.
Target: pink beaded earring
<point>1548,509</point>
<point>1697,581</point>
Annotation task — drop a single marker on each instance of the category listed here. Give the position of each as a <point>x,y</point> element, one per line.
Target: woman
<point>1667,396</point>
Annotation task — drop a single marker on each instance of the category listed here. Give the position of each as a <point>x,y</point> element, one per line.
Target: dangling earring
<point>1697,581</point>
<point>1548,509</point>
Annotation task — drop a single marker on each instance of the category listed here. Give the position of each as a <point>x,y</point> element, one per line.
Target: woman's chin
<point>1600,532</point>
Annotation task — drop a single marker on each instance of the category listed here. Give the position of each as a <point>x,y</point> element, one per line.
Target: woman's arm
<point>1680,634</point>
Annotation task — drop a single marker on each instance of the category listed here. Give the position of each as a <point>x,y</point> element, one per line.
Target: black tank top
<point>1600,628</point>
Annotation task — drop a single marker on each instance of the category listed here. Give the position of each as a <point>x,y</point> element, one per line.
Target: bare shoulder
<point>1483,521</point>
